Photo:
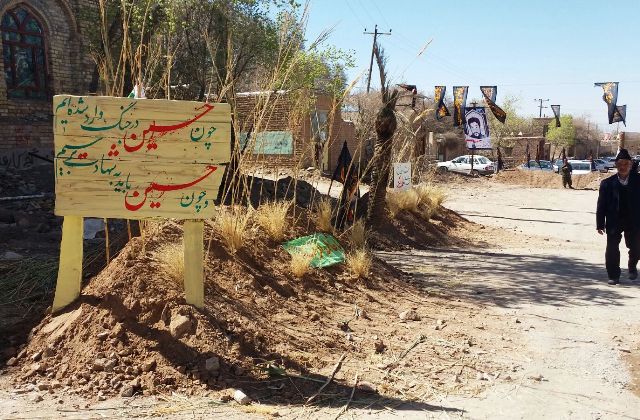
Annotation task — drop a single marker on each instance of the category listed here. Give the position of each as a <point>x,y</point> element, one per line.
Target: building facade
<point>43,53</point>
<point>285,137</point>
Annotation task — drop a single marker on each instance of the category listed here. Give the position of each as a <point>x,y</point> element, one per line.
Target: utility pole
<point>375,34</point>
<point>540,106</point>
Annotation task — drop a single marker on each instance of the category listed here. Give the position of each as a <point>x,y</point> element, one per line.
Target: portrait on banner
<point>476,129</point>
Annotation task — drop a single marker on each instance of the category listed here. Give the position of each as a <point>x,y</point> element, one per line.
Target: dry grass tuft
<point>171,257</point>
<point>323,216</point>
<point>422,199</point>
<point>300,263</point>
<point>359,263</point>
<point>233,226</point>
<point>402,200</point>
<point>431,198</point>
<point>359,234</point>
<point>272,217</point>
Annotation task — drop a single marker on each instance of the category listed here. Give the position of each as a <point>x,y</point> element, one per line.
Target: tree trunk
<point>386,125</point>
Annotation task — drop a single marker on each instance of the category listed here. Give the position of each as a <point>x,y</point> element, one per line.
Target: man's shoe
<point>613,281</point>
<point>633,275</point>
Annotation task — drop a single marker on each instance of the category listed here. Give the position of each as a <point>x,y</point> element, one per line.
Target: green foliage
<point>216,43</point>
<point>512,125</point>
<point>564,135</point>
<point>318,69</point>
<point>203,45</point>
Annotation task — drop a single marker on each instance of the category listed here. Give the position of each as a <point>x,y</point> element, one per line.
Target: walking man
<point>618,213</point>
<point>566,173</point>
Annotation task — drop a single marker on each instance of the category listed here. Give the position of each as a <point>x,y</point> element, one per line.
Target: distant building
<point>631,142</point>
<point>285,139</point>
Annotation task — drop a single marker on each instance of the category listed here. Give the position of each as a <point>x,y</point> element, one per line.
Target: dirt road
<point>569,337</point>
<point>578,333</point>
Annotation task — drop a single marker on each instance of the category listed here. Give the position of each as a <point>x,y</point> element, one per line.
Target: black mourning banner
<point>490,93</point>
<point>414,91</point>
<point>620,114</point>
<point>528,156</point>
<point>610,97</point>
<point>347,173</point>
<point>556,113</point>
<point>441,108</point>
<point>459,104</point>
<point>343,164</point>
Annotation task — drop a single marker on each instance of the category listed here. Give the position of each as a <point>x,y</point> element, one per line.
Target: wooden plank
<point>70,267</point>
<point>137,193</point>
<point>193,262</point>
<point>107,110</point>
<point>148,130</point>
<point>105,167</point>
<point>213,153</point>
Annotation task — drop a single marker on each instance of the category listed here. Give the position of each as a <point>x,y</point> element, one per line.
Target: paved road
<point>576,328</point>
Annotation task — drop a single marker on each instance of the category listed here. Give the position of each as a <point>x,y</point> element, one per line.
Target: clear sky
<point>549,49</point>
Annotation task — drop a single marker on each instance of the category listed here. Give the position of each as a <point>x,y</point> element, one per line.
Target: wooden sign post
<point>137,159</point>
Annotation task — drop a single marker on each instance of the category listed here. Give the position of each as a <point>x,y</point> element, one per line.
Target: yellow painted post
<point>70,267</point>
<point>193,260</point>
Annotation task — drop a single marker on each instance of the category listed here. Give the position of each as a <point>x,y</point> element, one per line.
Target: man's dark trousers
<point>612,254</point>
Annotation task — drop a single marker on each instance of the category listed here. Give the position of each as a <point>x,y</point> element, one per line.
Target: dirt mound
<point>131,332</point>
<point>131,326</point>
<point>546,179</point>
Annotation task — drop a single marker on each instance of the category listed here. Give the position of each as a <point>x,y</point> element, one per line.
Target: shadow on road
<point>519,219</point>
<point>555,210</point>
<point>511,280</point>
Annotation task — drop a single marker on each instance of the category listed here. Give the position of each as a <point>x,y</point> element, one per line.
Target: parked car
<point>609,162</point>
<point>580,167</point>
<point>462,164</point>
<point>601,164</point>
<point>544,165</point>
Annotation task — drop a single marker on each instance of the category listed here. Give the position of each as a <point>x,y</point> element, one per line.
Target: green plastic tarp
<point>326,249</point>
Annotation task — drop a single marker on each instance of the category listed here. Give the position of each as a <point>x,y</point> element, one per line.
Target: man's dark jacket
<point>608,211</point>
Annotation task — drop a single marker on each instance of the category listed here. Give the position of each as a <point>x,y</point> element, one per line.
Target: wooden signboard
<point>133,159</point>
<point>139,158</point>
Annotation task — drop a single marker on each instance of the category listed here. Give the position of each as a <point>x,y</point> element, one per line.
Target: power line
<point>366,11</point>
<point>380,13</point>
<point>354,13</point>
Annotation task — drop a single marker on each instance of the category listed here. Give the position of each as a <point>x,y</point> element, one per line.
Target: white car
<point>462,164</point>
<point>580,167</point>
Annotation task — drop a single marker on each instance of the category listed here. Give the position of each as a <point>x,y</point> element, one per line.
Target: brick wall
<point>280,115</point>
<point>27,124</point>
<point>519,150</point>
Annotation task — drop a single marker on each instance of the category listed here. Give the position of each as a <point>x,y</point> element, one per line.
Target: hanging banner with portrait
<point>476,128</point>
